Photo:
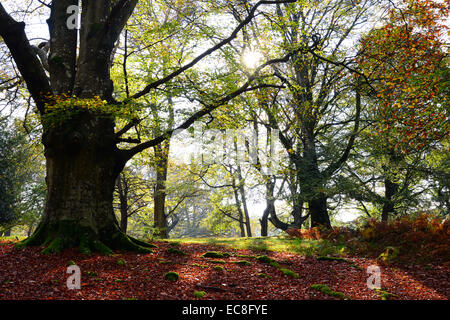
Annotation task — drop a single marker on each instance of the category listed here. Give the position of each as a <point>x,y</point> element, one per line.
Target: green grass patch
<point>245,256</point>
<point>213,254</point>
<point>327,258</point>
<point>91,274</point>
<point>242,262</point>
<point>219,268</point>
<point>385,295</point>
<point>163,261</point>
<point>199,294</point>
<point>199,265</point>
<point>307,247</point>
<point>265,259</point>
<point>290,273</point>
<point>121,262</point>
<point>218,261</point>
<point>176,251</point>
<point>326,290</point>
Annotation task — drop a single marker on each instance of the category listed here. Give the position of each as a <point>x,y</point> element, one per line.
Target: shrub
<point>412,239</point>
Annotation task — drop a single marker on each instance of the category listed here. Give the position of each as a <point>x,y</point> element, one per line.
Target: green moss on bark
<point>55,237</point>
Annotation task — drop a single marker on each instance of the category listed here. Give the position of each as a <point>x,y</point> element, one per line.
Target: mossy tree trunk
<point>83,163</point>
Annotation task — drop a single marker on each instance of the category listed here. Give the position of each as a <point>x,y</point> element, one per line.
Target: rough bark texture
<point>390,190</point>
<point>82,167</point>
<point>82,158</point>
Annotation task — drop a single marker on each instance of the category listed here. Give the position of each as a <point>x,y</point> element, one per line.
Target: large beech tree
<point>83,157</point>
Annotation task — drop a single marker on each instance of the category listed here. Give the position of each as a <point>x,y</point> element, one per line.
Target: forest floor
<point>262,268</point>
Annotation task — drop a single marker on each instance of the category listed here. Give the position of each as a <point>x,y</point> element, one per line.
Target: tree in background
<point>405,60</point>
<point>318,112</point>
<point>8,177</point>
<point>22,190</point>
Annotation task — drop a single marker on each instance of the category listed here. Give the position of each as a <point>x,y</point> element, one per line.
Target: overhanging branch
<point>128,154</point>
<point>224,42</point>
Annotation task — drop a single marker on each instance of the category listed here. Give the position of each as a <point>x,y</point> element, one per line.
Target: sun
<point>252,59</point>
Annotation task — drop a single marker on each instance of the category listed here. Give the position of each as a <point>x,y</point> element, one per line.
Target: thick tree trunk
<point>390,190</point>
<point>248,226</point>
<point>312,182</point>
<point>241,187</point>
<point>319,212</point>
<point>264,222</point>
<point>297,213</point>
<point>82,166</point>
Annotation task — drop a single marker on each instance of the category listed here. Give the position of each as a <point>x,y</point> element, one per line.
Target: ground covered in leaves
<point>235,274</point>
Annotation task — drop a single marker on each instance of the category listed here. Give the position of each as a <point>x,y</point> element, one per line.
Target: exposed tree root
<point>68,234</point>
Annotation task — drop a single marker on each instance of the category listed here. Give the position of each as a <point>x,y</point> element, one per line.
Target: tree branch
<point>128,154</point>
<point>13,33</point>
<point>210,50</point>
<point>336,165</point>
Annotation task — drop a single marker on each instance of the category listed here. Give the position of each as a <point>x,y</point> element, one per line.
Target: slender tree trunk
<point>123,202</point>
<point>248,226</point>
<point>241,188</point>
<point>239,209</point>
<point>264,221</point>
<point>270,207</point>
<point>159,197</point>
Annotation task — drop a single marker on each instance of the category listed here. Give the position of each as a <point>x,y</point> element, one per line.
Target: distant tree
<point>8,177</point>
<point>22,190</point>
